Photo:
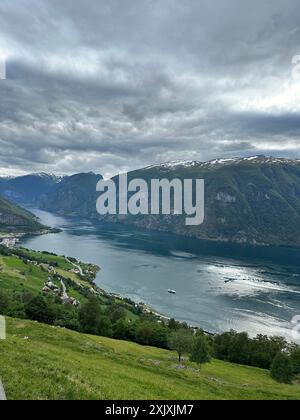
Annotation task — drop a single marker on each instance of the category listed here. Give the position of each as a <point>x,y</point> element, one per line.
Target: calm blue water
<point>219,287</point>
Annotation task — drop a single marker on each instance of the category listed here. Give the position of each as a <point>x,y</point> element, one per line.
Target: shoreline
<point>148,309</point>
<point>11,239</point>
<point>282,328</point>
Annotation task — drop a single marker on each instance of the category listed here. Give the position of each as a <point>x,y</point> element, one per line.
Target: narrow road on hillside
<point>64,291</point>
<point>75,265</point>
<point>2,392</point>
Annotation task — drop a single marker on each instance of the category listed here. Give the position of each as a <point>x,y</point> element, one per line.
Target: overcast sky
<point>113,85</point>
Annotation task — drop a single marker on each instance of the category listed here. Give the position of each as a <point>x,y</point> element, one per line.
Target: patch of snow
<point>175,164</point>
<point>251,158</point>
<point>222,161</point>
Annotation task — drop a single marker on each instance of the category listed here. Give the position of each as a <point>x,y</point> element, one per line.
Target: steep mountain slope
<point>15,219</point>
<point>74,196</point>
<point>54,363</point>
<point>28,189</point>
<point>254,200</point>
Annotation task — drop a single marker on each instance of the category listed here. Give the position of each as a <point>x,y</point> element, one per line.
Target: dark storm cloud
<point>111,86</point>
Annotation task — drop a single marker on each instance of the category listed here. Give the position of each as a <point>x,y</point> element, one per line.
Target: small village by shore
<point>10,240</point>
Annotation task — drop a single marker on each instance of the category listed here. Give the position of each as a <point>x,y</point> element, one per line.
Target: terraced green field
<point>18,276</point>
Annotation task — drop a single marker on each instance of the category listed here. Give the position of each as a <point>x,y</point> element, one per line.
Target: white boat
<point>172,292</point>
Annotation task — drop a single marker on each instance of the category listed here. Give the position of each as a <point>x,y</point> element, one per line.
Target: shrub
<point>38,309</point>
<point>281,369</point>
<point>151,333</point>
<point>295,359</point>
<point>4,303</point>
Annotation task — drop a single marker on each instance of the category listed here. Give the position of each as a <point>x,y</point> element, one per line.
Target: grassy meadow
<point>45,362</point>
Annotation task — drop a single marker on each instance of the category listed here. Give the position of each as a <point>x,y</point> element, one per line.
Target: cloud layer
<point>112,86</point>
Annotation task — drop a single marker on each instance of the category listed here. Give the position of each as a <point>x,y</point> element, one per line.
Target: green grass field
<point>18,276</point>
<point>44,362</point>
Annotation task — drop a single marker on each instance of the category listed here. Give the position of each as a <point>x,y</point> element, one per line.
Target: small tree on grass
<point>200,350</point>
<point>90,315</point>
<point>181,341</point>
<point>4,302</point>
<point>282,369</point>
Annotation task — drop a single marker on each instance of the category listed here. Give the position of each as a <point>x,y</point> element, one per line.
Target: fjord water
<point>219,286</point>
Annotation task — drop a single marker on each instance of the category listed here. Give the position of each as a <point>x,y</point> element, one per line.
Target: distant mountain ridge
<point>74,195</point>
<point>258,159</point>
<point>253,200</point>
<point>28,189</point>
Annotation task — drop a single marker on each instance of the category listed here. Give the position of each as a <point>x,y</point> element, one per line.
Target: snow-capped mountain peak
<point>257,159</point>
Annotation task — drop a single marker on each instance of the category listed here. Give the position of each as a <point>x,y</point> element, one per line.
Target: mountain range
<point>28,189</point>
<point>253,200</point>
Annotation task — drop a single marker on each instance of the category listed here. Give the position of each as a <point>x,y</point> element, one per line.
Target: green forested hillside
<point>15,219</point>
<point>253,201</point>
